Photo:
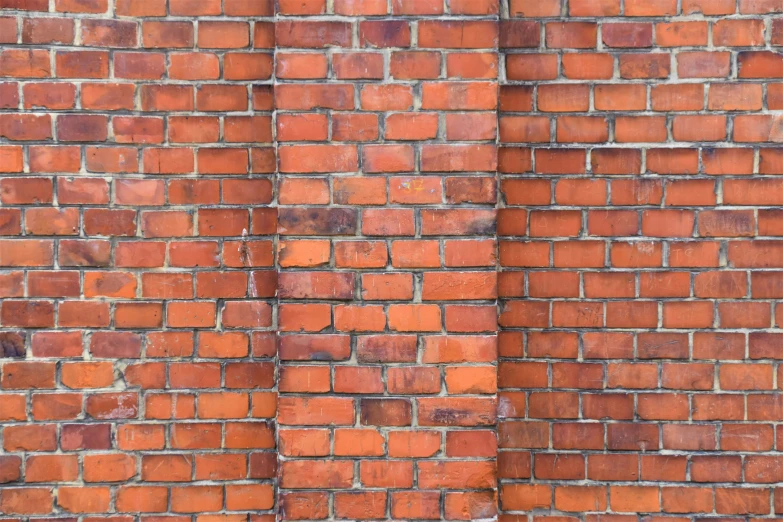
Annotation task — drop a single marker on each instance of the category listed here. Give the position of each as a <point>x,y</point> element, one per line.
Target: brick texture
<point>386,128</point>
<point>138,275</point>
<point>391,259</point>
<point>639,163</point>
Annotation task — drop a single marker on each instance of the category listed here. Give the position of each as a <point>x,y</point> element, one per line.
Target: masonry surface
<point>391,259</point>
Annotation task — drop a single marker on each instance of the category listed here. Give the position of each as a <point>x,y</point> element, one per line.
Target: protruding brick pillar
<point>386,125</point>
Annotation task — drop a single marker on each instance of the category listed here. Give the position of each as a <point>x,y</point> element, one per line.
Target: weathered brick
<point>386,223</point>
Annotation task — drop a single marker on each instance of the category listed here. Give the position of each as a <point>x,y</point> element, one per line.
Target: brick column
<point>386,127</point>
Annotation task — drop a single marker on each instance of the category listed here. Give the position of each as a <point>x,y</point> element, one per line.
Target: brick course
<point>390,259</point>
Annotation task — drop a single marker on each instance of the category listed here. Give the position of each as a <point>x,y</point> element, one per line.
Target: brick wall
<point>255,256</point>
<point>638,168</point>
<point>137,304</point>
